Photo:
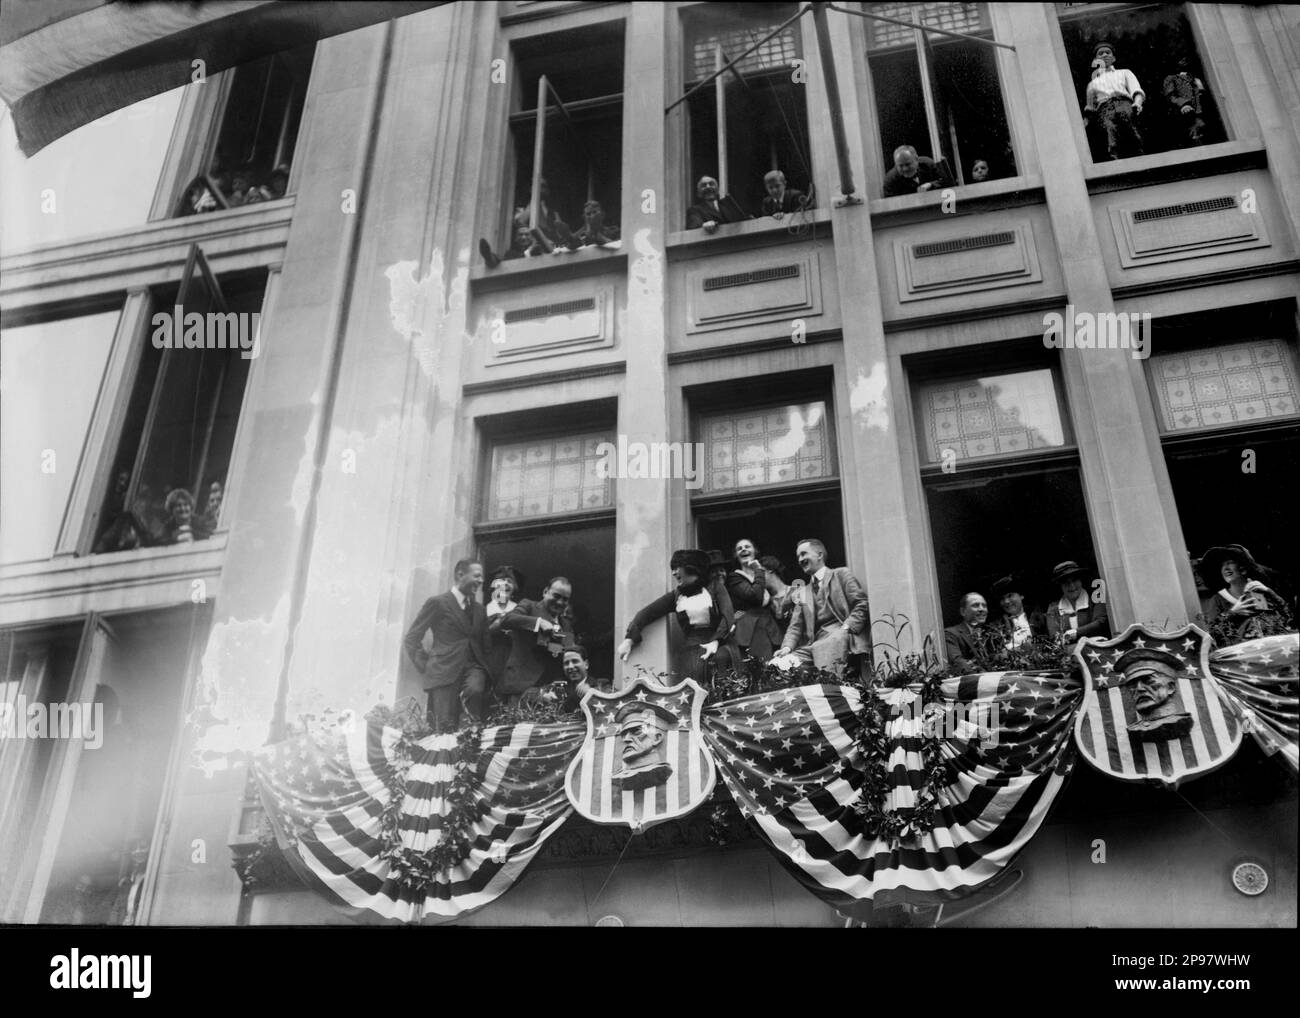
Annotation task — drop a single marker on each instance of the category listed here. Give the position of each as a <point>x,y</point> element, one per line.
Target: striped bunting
<point>325,795</point>
<point>792,763</point>
<point>1259,680</point>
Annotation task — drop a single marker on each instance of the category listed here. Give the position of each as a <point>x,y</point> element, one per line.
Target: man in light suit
<point>831,624</point>
<point>455,669</point>
<point>540,631</point>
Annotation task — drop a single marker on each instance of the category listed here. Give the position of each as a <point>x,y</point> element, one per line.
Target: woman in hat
<point>503,588</point>
<point>1075,614</point>
<point>703,612</point>
<point>757,632</point>
<point>1246,605</point>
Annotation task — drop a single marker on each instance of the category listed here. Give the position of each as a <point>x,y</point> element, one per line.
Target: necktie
<point>817,585</point>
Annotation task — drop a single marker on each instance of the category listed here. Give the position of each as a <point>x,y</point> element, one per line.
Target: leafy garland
<point>412,869</point>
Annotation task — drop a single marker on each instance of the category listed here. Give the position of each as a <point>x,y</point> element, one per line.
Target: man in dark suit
<point>969,644</point>
<point>1016,624</point>
<point>830,626</point>
<point>781,199</point>
<point>455,669</point>
<point>709,210</point>
<point>912,174</point>
<point>539,633</point>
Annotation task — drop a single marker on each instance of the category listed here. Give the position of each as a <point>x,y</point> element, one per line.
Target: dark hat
<point>1211,564</point>
<point>1067,569</point>
<point>691,558</point>
<point>1004,586</point>
<point>1101,46</point>
<point>507,573</point>
<point>1132,657</point>
<point>717,560</point>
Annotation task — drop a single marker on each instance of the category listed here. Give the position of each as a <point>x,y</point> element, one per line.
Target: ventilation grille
<point>1190,208</point>
<point>943,247</point>
<point>568,307</point>
<point>748,278</point>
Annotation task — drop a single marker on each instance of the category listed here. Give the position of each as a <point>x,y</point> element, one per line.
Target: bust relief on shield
<point>1159,706</point>
<point>643,753</point>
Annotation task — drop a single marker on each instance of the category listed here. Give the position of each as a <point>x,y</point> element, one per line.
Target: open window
<point>754,118</point>
<point>1156,43</point>
<point>938,93</point>
<point>1226,387</point>
<point>1001,476</point>
<point>770,469</point>
<point>168,477</point>
<point>547,511</point>
<point>252,151</point>
<point>566,130</point>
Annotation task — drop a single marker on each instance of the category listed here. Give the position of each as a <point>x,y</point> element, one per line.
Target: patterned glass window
<point>544,477</point>
<point>759,448</point>
<point>777,54</point>
<point>953,17</point>
<point>1235,384</point>
<point>996,415</point>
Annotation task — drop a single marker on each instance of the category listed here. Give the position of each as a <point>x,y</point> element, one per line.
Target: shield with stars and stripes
<point>644,760</point>
<point>1152,711</point>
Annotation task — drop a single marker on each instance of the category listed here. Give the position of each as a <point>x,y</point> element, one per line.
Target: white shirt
<point>820,577</point>
<point>1070,611</point>
<point>461,599</point>
<point>696,606</point>
<point>1020,631</point>
<point>494,609</point>
<point>1112,84</point>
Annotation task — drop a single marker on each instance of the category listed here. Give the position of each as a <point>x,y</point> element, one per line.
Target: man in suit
<point>540,631</point>
<point>577,667</point>
<point>913,173</point>
<point>1015,625</point>
<point>708,210</point>
<point>781,199</point>
<point>830,626</point>
<point>968,645</point>
<point>456,667</point>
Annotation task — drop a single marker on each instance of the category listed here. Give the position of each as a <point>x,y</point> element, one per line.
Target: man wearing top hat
<point>1116,98</point>
<point>1075,614</point>
<point>1015,625</point>
<point>1154,674</point>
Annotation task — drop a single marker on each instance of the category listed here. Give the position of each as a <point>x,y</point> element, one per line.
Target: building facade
<point>875,371</point>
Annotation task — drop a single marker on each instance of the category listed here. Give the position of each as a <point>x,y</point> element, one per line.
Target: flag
<point>1259,679</point>
<point>792,762</point>
<point>325,795</point>
<point>64,63</point>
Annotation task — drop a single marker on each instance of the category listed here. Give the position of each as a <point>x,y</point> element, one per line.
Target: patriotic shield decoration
<point>644,760</point>
<point>1152,711</point>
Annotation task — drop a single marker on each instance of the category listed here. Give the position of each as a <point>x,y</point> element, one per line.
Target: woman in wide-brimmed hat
<point>703,611</point>
<point>1075,614</point>
<point>1246,605</point>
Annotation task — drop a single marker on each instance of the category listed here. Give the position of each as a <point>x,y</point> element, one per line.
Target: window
<point>770,470</point>
<point>250,156</point>
<point>547,512</point>
<point>50,375</point>
<point>1227,393</point>
<point>1156,43</point>
<point>101,177</point>
<point>1001,478</point>
<point>581,127</point>
<point>765,115</point>
<point>169,474</point>
<point>939,94</point>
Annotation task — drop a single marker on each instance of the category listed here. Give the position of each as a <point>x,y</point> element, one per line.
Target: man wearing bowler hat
<point>1075,614</point>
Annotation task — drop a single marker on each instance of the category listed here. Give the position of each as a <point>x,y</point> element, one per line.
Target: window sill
<point>1178,164</point>
<point>1008,191</point>
<point>520,272</point>
<point>728,236</point>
